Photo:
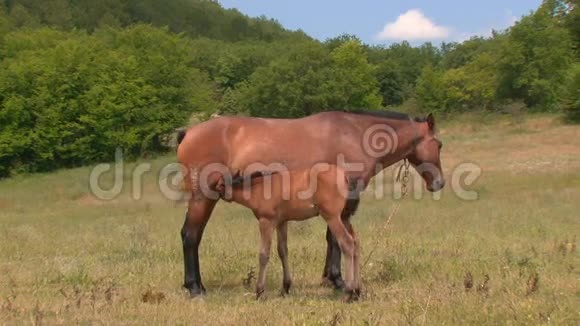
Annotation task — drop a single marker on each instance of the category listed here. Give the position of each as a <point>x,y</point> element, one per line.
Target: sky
<point>385,22</point>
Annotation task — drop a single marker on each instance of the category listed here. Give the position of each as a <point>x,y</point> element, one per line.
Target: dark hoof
<point>337,283</point>
<point>195,290</point>
<point>286,288</point>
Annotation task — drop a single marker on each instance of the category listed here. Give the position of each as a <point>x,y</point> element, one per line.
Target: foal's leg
<point>283,253</point>
<point>198,213</point>
<point>347,246</point>
<point>356,263</point>
<point>332,264</point>
<point>266,230</point>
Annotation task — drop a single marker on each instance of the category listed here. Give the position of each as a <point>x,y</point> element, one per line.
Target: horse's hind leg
<point>266,230</point>
<point>198,213</point>
<point>283,254</point>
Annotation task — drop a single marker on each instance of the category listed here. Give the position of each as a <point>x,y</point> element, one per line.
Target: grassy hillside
<point>195,18</point>
<point>66,257</point>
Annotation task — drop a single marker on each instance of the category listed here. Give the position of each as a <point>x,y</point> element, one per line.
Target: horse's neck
<point>407,134</point>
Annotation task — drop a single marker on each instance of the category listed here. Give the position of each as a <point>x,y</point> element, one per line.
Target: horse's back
<point>238,142</point>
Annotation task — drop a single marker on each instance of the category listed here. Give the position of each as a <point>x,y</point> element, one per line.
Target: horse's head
<point>425,157</point>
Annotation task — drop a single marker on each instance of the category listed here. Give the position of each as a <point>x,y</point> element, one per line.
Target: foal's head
<point>426,155</point>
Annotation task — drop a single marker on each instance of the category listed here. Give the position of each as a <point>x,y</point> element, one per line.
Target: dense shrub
<point>572,99</point>
<point>71,98</point>
<point>311,79</point>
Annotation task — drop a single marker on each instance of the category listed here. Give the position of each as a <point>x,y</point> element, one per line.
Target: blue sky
<point>384,22</point>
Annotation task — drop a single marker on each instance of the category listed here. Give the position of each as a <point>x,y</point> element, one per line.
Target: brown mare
<point>295,196</point>
<point>225,145</point>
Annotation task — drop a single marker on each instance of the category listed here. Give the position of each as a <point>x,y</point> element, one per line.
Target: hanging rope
<point>403,178</point>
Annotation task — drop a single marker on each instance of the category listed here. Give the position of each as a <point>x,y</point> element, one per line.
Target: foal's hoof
<point>352,296</point>
<point>260,294</point>
<point>286,288</point>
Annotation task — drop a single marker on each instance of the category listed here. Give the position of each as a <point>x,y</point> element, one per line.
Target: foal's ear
<point>430,121</point>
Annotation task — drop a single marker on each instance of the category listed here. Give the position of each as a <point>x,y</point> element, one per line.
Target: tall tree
<point>535,59</point>
<point>356,85</point>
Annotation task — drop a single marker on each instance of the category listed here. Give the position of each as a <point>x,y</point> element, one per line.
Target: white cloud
<point>413,25</point>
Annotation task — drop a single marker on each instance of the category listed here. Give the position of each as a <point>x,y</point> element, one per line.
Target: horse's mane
<point>385,114</point>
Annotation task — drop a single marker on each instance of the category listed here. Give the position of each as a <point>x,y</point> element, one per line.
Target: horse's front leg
<point>332,274</point>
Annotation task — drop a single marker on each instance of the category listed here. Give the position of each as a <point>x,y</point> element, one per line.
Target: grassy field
<point>507,258</point>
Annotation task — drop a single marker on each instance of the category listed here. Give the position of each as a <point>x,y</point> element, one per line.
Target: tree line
<point>79,78</point>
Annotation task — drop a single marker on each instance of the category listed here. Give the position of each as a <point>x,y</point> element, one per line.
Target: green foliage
<point>310,79</point>
<point>78,97</point>
<point>572,99</point>
<point>534,62</point>
<point>193,17</point>
<point>399,67</point>
<point>471,86</point>
<point>391,82</point>
<point>430,91</point>
<point>297,84</point>
<point>456,55</point>
<point>356,86</point>
<point>335,42</point>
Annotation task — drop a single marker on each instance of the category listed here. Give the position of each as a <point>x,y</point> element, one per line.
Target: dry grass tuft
<point>483,288</point>
<point>250,277</point>
<point>151,296</point>
<point>533,283</point>
<point>468,281</point>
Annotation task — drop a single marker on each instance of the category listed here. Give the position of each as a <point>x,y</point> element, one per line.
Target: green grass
<point>67,258</point>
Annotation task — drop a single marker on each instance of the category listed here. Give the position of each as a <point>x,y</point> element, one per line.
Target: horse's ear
<point>430,121</point>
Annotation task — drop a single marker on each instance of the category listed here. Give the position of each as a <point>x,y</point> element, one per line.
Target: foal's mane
<point>385,114</point>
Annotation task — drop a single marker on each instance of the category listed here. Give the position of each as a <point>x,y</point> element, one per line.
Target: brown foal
<point>297,195</point>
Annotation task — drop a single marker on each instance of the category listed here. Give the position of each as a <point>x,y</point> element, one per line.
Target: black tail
<point>180,136</point>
